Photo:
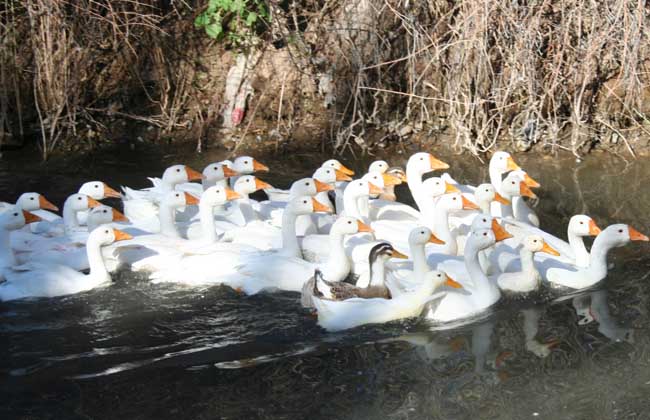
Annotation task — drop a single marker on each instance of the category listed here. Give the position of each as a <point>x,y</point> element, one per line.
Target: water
<point>136,350</point>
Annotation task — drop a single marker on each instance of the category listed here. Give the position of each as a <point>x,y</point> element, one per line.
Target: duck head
<point>31,201</point>
<point>248,165</point>
<point>535,243</point>
<point>333,163</point>
<point>583,225</point>
<point>422,236</point>
<point>106,235</point>
<point>503,162</point>
<point>16,218</point>
<point>98,190</point>
<point>216,172</point>
<point>178,174</point>
<point>425,162</point>
<point>380,166</point>
<point>436,186</point>
<point>248,184</point>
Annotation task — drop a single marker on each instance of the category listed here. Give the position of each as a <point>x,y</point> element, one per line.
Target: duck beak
<point>93,203</point>
<point>227,172</point>
<point>119,217</point>
<point>375,189</point>
<point>362,227</point>
<point>453,283</point>
<point>450,188</point>
<point>499,233</point>
<point>346,170</point>
<point>593,228</point>
<point>499,198</point>
<point>340,176</point>
<point>635,235</point>
<point>433,239</point>
<point>320,207</point>
<point>121,236</point>
<point>109,192</point>
<point>45,204</point>
<point>549,250</point>
<point>437,164</point>
<point>524,191</point>
<point>469,205</point>
<point>190,200</point>
<point>512,166</point>
<point>322,187</point>
<point>390,180</point>
<point>257,167</point>
<point>192,175</point>
<point>397,254</point>
<point>261,185</point>
<point>232,195</point>
<point>30,217</point>
<point>530,181</point>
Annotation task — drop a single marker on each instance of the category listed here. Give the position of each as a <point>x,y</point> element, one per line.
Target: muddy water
<point>135,350</point>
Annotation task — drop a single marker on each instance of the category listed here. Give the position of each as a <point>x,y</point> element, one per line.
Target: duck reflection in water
<point>592,307</point>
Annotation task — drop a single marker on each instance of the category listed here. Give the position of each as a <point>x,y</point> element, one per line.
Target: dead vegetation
<point>522,74</point>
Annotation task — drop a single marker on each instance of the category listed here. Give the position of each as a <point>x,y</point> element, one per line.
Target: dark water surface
<point>135,350</point>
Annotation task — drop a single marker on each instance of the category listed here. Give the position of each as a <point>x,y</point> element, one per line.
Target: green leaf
<point>251,18</point>
<point>201,20</point>
<point>214,30</point>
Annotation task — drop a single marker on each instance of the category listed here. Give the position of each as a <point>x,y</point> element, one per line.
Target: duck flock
<point>354,253</point>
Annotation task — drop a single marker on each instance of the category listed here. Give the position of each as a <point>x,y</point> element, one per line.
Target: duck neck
<point>324,198</point>
<point>7,257</point>
<point>167,221</point>
<point>441,229</point>
<point>598,259</point>
<point>377,273</point>
<point>246,209</point>
<point>495,178</point>
<point>351,204</point>
<point>414,177</point>
<point>290,247</point>
<point>485,206</point>
<point>206,215</point>
<point>98,270</point>
<point>69,216</point>
<point>579,250</point>
<point>337,266</point>
<point>420,266</point>
<point>506,209</point>
<point>526,257</point>
<point>484,290</point>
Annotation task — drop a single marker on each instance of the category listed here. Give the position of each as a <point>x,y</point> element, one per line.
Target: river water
<point>135,350</point>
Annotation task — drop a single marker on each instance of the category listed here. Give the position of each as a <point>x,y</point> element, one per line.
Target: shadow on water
<point>137,350</point>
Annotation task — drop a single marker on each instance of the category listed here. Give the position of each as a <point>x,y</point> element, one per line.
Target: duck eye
<point>177,195</point>
<point>305,202</point>
<point>307,183</point>
<point>513,182</point>
<point>582,223</point>
<point>421,158</point>
<point>484,233</point>
<point>96,186</point>
<point>620,231</point>
<point>245,162</point>
<point>349,222</point>
<point>248,180</point>
<point>439,275</point>
<point>328,171</point>
<point>178,170</point>
<point>105,211</point>
<point>422,233</point>
<point>31,198</point>
<point>105,231</point>
<point>79,198</point>
<point>15,214</point>
<point>485,220</point>
<point>454,198</point>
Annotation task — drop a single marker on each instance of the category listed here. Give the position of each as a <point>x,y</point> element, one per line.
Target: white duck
<point>30,201</point>
<point>73,253</point>
<point>574,252</point>
<point>369,209</point>
<point>11,220</point>
<point>611,237</point>
<point>36,279</point>
<point>528,279</point>
<point>212,175</point>
<point>141,206</point>
<point>511,186</point>
<point>484,292</point>
<point>337,315</point>
<point>522,212</point>
<point>340,186</point>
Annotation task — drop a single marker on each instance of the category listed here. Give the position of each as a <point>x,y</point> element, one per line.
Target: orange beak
<point>227,172</point>
<point>93,203</point>
<point>593,228</point>
<point>433,239</point>
<point>190,200</point>
<point>261,185</point>
<point>30,217</point>
<point>453,283</point>
<point>45,204</point>
<point>259,167</point>
<point>469,205</point>
<point>512,166</point>
<point>437,164</point>
<point>192,175</point>
<point>390,180</point>
<point>524,191</point>
<point>232,195</point>
<point>499,198</point>
<point>362,227</point>
<point>121,236</point>
<point>119,217</point>
<point>109,192</point>
<point>635,235</point>
<point>402,176</point>
<point>499,233</point>
<point>530,181</point>
<point>450,188</point>
<point>320,207</point>
<point>346,170</point>
<point>549,250</point>
<point>397,254</point>
<point>340,176</point>
<point>375,189</point>
<point>321,186</point>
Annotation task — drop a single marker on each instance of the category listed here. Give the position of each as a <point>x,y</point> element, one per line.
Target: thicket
<point>480,74</point>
